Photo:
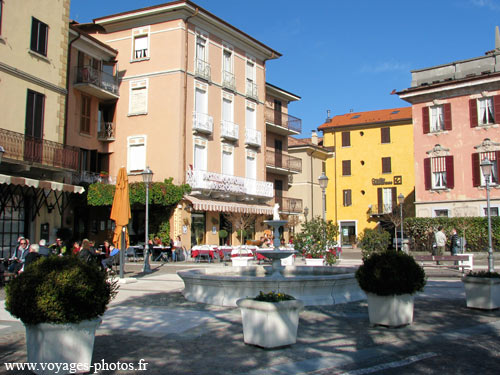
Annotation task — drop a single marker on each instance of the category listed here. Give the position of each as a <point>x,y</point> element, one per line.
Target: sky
<point>344,55</point>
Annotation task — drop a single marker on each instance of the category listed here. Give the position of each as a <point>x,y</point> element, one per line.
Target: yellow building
<point>373,164</point>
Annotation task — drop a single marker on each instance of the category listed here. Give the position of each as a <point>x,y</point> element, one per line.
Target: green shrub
<point>390,273</point>
<point>59,290</point>
<point>273,297</point>
<point>374,241</point>
<point>486,274</point>
<point>223,233</point>
<point>315,238</point>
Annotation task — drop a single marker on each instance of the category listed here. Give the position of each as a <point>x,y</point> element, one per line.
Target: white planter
<point>288,261</point>
<point>391,311</point>
<point>50,344</point>
<point>482,292</point>
<point>240,261</point>
<point>315,261</point>
<point>270,324</point>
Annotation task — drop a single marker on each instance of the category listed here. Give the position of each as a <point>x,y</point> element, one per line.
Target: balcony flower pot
<point>60,301</point>
<point>482,290</point>
<point>390,279</point>
<point>270,322</point>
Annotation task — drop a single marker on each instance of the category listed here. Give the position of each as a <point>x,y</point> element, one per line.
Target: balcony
<point>283,123</point>
<point>228,80</point>
<point>383,209</point>
<point>289,205</point>
<point>212,182</point>
<point>35,150</point>
<point>253,137</point>
<point>92,177</point>
<point>106,132</point>
<point>251,90</point>
<point>202,69</point>
<point>96,83</point>
<point>203,123</point>
<point>229,130</point>
<point>281,163</point>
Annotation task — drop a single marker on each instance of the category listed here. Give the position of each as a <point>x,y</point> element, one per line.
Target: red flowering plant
<point>318,240</point>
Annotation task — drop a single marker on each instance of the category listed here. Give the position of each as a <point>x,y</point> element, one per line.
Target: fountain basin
<point>313,285</point>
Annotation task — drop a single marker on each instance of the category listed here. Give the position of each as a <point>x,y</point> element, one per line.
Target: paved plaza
<point>151,321</point>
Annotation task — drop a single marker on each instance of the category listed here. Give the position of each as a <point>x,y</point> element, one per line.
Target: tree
<point>317,238</point>
<point>240,222</point>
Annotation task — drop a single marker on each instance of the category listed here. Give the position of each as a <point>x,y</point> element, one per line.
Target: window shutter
<point>427,174</point>
<point>476,173</point>
<point>380,202</point>
<point>349,197</point>
<point>497,155</point>
<point>386,165</point>
<point>346,139</point>
<point>447,116</point>
<point>450,177</point>
<point>425,120</point>
<point>385,134</point>
<point>346,167</point>
<point>394,198</point>
<point>496,105</point>
<point>473,113</point>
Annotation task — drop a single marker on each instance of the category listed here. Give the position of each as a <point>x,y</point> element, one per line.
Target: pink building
<point>456,117</point>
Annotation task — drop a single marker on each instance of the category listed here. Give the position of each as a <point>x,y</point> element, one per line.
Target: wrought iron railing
<point>291,205</point>
<point>382,209</point>
<point>202,69</point>
<point>251,90</point>
<point>284,161</point>
<point>92,177</point>
<point>96,77</point>
<point>106,131</point>
<point>253,137</point>
<point>228,80</point>
<point>203,122</point>
<point>35,150</point>
<point>283,119</point>
<point>229,130</point>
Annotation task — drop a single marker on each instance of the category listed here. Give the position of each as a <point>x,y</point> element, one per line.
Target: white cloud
<point>383,67</point>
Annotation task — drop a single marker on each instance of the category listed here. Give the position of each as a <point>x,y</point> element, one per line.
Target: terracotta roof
<point>369,117</point>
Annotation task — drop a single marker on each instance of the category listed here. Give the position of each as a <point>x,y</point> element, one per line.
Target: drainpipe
<point>68,68</point>
<point>312,185</point>
<point>184,139</point>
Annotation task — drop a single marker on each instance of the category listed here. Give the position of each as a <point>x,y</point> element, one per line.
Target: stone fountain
<point>223,286</point>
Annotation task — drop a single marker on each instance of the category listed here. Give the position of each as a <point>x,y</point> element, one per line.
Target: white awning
<point>220,206</point>
<point>42,184</point>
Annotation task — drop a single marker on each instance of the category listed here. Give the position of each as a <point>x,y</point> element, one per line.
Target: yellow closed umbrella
<point>120,211</point>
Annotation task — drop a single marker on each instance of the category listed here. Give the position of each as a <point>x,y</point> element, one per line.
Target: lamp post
<point>401,199</point>
<point>306,211</point>
<point>147,177</point>
<point>486,167</point>
<point>323,183</point>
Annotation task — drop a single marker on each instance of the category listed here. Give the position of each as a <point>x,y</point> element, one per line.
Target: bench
<point>460,261</point>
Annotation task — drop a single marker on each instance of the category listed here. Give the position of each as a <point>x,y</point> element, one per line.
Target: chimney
<point>314,138</point>
<point>497,38</point>
<point>328,118</point>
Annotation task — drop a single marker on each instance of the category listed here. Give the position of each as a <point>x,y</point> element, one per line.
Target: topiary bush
<point>374,241</point>
<point>390,273</point>
<point>59,290</point>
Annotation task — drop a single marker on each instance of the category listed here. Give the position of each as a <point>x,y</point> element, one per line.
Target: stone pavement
<point>150,320</point>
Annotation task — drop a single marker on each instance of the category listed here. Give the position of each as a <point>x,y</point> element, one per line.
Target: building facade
<point>37,165</point>
<point>456,112</point>
<point>373,164</point>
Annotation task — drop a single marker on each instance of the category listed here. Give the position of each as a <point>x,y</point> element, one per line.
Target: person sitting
<point>43,250</point>
<point>76,248</point>
<point>86,253</point>
<point>107,248</point>
<point>18,256</point>
<point>114,257</point>
<point>31,257</point>
<point>58,248</point>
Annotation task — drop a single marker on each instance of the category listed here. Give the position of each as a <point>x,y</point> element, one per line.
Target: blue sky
<point>345,54</point>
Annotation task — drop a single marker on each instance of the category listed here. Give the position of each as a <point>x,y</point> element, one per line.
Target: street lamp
<point>306,211</point>
<point>147,177</point>
<point>323,183</point>
<point>401,200</point>
<point>486,167</point>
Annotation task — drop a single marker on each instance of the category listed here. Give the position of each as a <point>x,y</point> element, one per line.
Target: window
<point>200,154</point>
<point>493,211</point>
<point>136,155</point>
<point>347,197</point>
<point>35,108</point>
<point>85,115</point>
<point>484,111</point>
<point>386,199</point>
<point>202,67</point>
<point>346,139</point>
<point>441,213</point>
<point>140,41</point>
<point>346,167</point>
<point>477,174</point>
<point>385,135</point>
<point>251,86</point>
<point>386,165</point>
<point>250,116</point>
<point>39,35</point>
<point>227,160</point>
<point>228,80</point>
<point>138,101</point>
<point>251,165</point>
<point>439,173</point>
<point>436,118</point>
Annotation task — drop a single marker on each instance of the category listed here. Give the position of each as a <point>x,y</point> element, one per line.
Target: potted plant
<point>482,290</point>
<point>223,235</point>
<point>270,320</point>
<point>390,279</point>
<point>60,301</point>
<point>317,242</point>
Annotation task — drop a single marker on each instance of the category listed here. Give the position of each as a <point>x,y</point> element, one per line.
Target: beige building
<point>305,185</point>
<point>192,105</point>
<point>37,165</point>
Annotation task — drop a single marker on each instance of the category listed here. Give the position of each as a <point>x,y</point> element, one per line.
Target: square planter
<point>315,261</point>
<point>391,311</point>
<point>482,292</point>
<point>240,261</point>
<point>70,344</point>
<point>270,324</point>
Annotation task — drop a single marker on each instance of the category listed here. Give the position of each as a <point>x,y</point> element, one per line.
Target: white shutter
<point>136,154</point>
<point>200,156</point>
<point>250,118</point>
<point>251,167</point>
<point>227,110</point>
<point>201,101</point>
<point>227,66</point>
<point>250,71</point>
<point>227,162</point>
<point>138,103</point>
<point>141,43</point>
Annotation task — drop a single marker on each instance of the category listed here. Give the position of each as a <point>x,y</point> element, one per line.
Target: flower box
<point>482,292</point>
<point>315,262</point>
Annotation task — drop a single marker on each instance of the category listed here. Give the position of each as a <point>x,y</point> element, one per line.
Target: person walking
<point>440,242</point>
<point>455,243</point>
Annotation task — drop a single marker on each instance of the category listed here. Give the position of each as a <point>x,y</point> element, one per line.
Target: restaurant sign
<point>398,180</point>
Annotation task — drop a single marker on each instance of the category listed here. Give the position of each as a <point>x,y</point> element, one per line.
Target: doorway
<point>347,233</point>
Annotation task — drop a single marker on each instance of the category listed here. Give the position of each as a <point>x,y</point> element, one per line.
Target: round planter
<point>315,262</point>
<point>391,311</point>
<point>270,324</point>
<point>66,344</point>
<point>482,292</point>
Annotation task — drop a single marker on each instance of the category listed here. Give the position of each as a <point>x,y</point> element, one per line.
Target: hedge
<point>421,231</point>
